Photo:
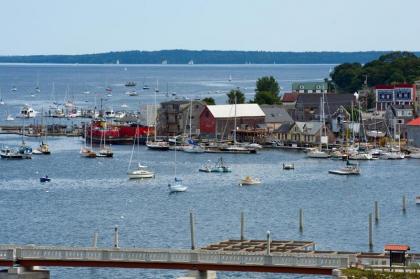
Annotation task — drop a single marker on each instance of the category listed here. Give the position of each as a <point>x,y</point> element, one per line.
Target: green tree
<point>235,93</point>
<point>209,101</point>
<point>267,91</point>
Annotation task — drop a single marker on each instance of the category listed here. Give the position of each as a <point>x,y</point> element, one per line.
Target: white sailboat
<point>318,153</point>
<point>1,99</point>
<point>141,171</point>
<point>176,185</point>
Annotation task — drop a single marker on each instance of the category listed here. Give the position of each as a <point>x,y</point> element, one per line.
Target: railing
<point>172,256</point>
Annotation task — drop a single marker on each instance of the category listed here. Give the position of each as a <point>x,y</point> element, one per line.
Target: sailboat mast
<point>155,117</point>
<point>175,156</point>
<point>190,115</point>
<point>234,128</point>
<point>322,121</point>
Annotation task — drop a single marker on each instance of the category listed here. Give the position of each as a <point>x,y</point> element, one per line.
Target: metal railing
<point>172,256</point>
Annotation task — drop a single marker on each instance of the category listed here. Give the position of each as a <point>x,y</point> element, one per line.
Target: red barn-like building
<point>218,120</point>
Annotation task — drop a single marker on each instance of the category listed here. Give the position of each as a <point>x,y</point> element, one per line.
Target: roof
<point>313,85</point>
<point>284,128</point>
<point>403,85</point>
<point>414,122</point>
<point>332,101</point>
<point>309,128</point>
<point>275,114</point>
<point>290,97</point>
<point>397,247</point>
<point>242,110</point>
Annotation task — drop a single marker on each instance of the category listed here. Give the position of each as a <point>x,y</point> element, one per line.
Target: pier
<point>271,256</point>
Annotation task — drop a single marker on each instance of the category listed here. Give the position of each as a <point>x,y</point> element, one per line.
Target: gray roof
<point>332,101</point>
<point>276,114</point>
<point>309,128</point>
<point>284,128</point>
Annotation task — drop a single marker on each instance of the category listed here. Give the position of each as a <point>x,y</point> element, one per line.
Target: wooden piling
<point>116,238</point>
<point>301,220</point>
<point>95,240</point>
<point>242,226</point>
<point>268,243</point>
<point>376,212</point>
<point>370,231</point>
<point>404,204</point>
<point>192,230</point>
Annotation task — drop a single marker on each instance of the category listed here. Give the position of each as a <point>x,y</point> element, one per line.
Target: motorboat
<point>177,186</point>
<point>140,172</point>
<point>219,166</point>
<point>44,179</point>
<point>349,169</point>
<point>360,156</point>
<point>10,153</point>
<point>238,149</point>
<point>130,84</point>
<point>207,167</point>
<point>132,93</point>
<point>248,180</point>
<point>288,166</point>
<point>27,112</point>
<point>415,155</point>
<point>319,154</point>
<point>392,155</point>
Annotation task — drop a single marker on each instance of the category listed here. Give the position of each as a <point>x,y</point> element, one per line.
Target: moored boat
<point>140,172</point>
<point>349,169</point>
<point>248,180</point>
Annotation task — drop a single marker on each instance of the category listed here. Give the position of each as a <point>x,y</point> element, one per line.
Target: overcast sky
<point>91,26</point>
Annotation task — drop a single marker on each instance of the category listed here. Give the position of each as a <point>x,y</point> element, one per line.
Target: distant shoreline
<point>203,57</point>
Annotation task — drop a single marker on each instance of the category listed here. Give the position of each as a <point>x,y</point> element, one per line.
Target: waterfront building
<point>396,117</point>
<point>400,94</point>
<point>219,120</point>
<point>310,87</point>
<point>174,117</point>
<point>413,132</point>
<point>275,116</point>
<point>307,106</point>
<point>303,133</point>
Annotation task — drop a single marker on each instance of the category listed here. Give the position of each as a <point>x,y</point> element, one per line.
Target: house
<point>400,94</point>
<point>396,117</point>
<point>275,116</point>
<point>219,120</point>
<point>413,132</point>
<point>174,117</point>
<point>307,106</point>
<point>310,87</point>
<point>303,133</point>
<point>339,119</point>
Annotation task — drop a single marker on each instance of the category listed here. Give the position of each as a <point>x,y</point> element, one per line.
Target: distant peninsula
<point>180,56</point>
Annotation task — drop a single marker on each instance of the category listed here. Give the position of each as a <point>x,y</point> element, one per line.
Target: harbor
<point>130,190</point>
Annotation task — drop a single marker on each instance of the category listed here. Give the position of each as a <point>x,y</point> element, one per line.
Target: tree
<point>267,91</point>
<point>235,93</point>
<point>209,101</point>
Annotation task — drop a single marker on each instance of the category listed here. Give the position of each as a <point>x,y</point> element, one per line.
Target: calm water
<point>95,195</point>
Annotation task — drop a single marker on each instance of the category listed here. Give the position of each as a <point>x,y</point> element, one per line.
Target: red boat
<point>117,133</point>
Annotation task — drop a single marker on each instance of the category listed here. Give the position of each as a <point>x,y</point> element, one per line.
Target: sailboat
<point>176,185</point>
<point>317,152</point>
<point>192,147</point>
<point>157,145</point>
<point>37,89</point>
<point>43,148</point>
<point>104,150</point>
<point>9,117</point>
<point>157,86</point>
<point>84,150</point>
<point>141,171</point>
<point>1,99</point>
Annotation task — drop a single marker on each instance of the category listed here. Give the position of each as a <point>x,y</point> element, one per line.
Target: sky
<point>94,26</point>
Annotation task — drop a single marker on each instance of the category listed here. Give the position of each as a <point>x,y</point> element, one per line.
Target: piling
<point>116,239</point>
<point>242,226</point>
<point>376,212</point>
<point>268,243</point>
<point>95,240</point>
<point>404,204</point>
<point>301,220</point>
<point>192,228</point>
<point>370,232</point>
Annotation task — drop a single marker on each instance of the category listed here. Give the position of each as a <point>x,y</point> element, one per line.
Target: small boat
<point>360,156</point>
<point>350,169</point>
<point>105,151</point>
<point>140,172</point>
<point>132,93</point>
<point>418,200</point>
<point>27,112</point>
<point>14,89</point>
<point>43,148</point>
<point>146,87</point>
<point>288,166</point>
<point>193,148</point>
<point>248,180</point>
<point>108,89</point>
<point>130,84</point>
<point>318,154</point>
<point>415,155</point>
<point>207,167</point>
<point>87,153</point>
<point>158,145</point>
<point>177,186</point>
<point>392,155</point>
<point>45,179</point>
<point>10,153</point>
